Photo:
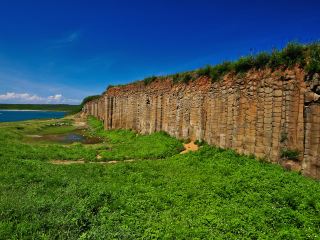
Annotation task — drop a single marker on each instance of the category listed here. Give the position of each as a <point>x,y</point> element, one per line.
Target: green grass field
<point>208,194</point>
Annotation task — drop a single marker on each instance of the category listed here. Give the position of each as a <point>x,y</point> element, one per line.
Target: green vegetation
<point>208,194</point>
<point>182,77</point>
<point>262,60</point>
<point>290,154</point>
<point>244,64</point>
<point>84,101</point>
<point>149,80</point>
<point>313,65</point>
<point>200,143</point>
<point>117,143</point>
<point>294,54</point>
<point>88,99</point>
<point>48,107</point>
<point>129,145</point>
<point>55,130</point>
<point>186,77</point>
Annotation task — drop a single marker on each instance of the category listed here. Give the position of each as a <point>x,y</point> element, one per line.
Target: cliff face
<point>268,114</point>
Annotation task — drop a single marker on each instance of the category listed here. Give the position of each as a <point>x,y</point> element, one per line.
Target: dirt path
<point>69,162</point>
<point>80,121</point>
<point>191,146</point>
<point>66,162</point>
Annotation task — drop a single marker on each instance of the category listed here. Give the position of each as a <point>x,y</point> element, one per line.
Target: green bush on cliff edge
<point>306,56</point>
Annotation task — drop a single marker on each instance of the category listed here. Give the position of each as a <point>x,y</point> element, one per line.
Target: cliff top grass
<point>86,100</point>
<point>306,56</point>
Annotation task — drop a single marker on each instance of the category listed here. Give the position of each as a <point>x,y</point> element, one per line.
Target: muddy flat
<point>67,138</point>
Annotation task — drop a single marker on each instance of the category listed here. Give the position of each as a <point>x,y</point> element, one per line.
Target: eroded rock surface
<point>260,113</point>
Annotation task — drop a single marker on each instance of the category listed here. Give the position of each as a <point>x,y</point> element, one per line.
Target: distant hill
<point>49,107</point>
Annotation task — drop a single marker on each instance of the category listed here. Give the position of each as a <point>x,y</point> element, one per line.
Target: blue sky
<point>61,51</point>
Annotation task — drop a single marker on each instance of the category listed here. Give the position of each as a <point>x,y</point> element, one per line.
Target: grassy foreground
<point>208,194</point>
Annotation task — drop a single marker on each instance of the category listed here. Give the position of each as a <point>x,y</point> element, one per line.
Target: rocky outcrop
<point>272,114</point>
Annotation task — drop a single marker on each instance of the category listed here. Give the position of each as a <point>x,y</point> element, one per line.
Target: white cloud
<point>56,97</point>
<point>13,97</point>
<point>19,96</point>
<point>12,81</point>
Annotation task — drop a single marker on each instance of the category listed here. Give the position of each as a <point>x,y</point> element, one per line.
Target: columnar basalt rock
<point>264,113</point>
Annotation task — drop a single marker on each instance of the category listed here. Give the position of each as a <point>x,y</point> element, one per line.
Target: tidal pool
<point>67,138</point>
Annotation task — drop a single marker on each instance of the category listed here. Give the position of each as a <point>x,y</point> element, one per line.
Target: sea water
<point>22,115</point>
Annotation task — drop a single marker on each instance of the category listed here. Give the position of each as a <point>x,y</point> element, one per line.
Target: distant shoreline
<point>41,107</point>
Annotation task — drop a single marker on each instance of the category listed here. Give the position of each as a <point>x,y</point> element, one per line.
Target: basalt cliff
<point>274,115</point>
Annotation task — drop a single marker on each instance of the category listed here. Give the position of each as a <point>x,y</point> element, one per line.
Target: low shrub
<point>293,54</point>
<point>215,72</point>
<point>186,78</point>
<point>261,60</point>
<point>205,71</point>
<point>244,64</point>
<point>175,78</point>
<point>149,80</point>
<point>275,60</point>
<point>313,65</point>
<point>200,143</point>
<point>218,71</point>
<point>290,154</point>
<point>88,99</point>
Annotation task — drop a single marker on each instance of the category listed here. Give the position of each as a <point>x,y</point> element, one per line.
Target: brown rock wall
<point>260,113</point>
